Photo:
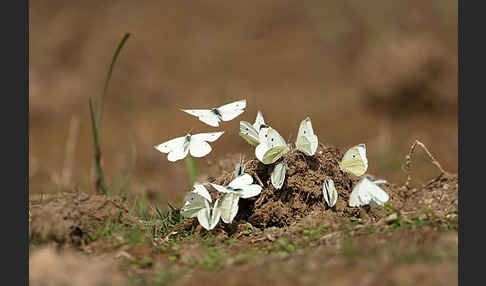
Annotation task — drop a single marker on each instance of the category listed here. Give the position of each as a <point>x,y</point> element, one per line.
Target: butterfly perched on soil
<point>278,175</point>
<point>272,146</point>
<point>306,139</point>
<point>250,132</point>
<point>329,192</point>
<point>197,204</point>
<point>354,160</point>
<point>367,192</point>
<point>241,187</point>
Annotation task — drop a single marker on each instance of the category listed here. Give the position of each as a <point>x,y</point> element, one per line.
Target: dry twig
<point>408,161</point>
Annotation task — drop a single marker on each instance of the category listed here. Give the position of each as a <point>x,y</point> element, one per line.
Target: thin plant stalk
<point>95,121</point>
<point>100,176</point>
<point>191,168</point>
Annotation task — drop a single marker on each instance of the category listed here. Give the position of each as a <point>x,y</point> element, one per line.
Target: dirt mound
<point>74,217</point>
<point>301,195</point>
<point>50,267</point>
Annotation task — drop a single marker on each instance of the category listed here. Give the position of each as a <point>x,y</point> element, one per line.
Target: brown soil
<point>301,194</point>
<point>51,267</point>
<point>72,217</point>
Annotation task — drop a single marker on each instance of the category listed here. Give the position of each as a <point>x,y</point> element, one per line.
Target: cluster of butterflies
<point>270,146</point>
<point>197,202</point>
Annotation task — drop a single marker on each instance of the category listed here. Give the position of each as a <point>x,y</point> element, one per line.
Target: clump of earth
<point>302,193</point>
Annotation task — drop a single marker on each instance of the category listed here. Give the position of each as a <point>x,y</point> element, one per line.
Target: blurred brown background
<point>377,72</point>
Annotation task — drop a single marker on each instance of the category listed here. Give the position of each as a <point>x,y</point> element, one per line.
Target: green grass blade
<point>110,71</point>
<point>191,169</point>
<point>100,177</point>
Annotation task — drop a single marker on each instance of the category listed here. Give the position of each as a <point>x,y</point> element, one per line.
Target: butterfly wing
<point>329,192</point>
<point>199,148</point>
<point>229,207</point>
<point>210,119</point>
<point>232,110</point>
<point>241,181</point>
<point>170,145</point>
<point>249,133</point>
<point>250,191</point>
<point>354,161</point>
<point>273,154</point>
<point>219,188</point>
<point>377,194</point>
<point>355,197</point>
<point>259,121</point>
<point>306,139</point>
<point>194,203</point>
<point>208,137</point>
<point>205,115</point>
<point>272,146</point>
<point>202,191</point>
<point>278,175</point>
<point>215,214</point>
<point>204,216</point>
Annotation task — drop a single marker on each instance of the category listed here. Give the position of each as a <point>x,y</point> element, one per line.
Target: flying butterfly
<point>250,132</point>
<point>272,146</point>
<point>354,160</point>
<point>306,139</point>
<point>225,112</point>
<point>197,145</point>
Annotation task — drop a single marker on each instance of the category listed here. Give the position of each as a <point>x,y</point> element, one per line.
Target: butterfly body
<point>196,145</point>
<point>213,116</point>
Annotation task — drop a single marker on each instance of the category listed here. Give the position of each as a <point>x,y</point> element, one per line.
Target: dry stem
<point>408,161</point>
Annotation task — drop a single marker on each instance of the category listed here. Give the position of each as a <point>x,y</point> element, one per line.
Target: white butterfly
<point>241,187</point>
<point>366,192</point>
<point>196,145</point>
<point>306,139</point>
<point>194,201</point>
<point>250,132</point>
<point>329,192</point>
<point>225,112</point>
<point>278,175</point>
<point>354,160</point>
<point>209,218</point>
<point>272,146</point>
